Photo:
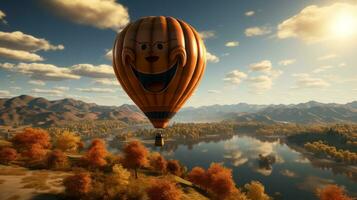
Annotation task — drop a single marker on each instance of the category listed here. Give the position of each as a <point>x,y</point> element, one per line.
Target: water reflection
<point>280,167</point>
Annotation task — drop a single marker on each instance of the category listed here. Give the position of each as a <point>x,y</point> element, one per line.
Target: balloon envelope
<point>159,62</point>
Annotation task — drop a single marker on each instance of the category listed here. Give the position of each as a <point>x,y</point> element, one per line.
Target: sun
<point>344,25</point>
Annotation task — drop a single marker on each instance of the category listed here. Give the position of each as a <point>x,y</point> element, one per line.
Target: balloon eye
<point>143,46</point>
<point>160,46</point>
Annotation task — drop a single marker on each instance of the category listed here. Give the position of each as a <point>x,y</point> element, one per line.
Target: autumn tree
<point>158,162</point>
<point>220,180</point>
<point>116,183</point>
<point>199,177</point>
<point>30,136</point>
<point>7,154</point>
<point>135,156</point>
<point>67,142</point>
<point>57,160</point>
<point>95,156</point>
<point>35,153</point>
<point>174,167</point>
<point>256,191</point>
<point>161,189</point>
<point>77,185</point>
<point>332,192</point>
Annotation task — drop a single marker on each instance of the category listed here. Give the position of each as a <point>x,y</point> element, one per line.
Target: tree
<point>255,190</point>
<point>174,167</point>
<point>57,160</point>
<point>67,142</point>
<point>7,154</point>
<point>158,162</point>
<point>117,182</point>
<point>95,156</point>
<point>220,180</point>
<point>77,185</point>
<point>199,177</point>
<point>35,153</point>
<point>161,189</point>
<point>332,192</point>
<point>135,156</point>
<point>30,136</point>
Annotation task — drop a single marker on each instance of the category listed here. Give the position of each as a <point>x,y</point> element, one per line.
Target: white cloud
<point>89,70</point>
<point>322,68</point>
<point>307,81</point>
<point>214,91</point>
<point>2,17</point>
<point>37,82</point>
<point>315,24</point>
<point>260,84</point>
<point>4,94</point>
<point>20,41</point>
<point>102,14</point>
<point>96,90</point>
<point>61,88</point>
<point>15,88</point>
<point>47,91</point>
<point>327,57</point>
<point>19,55</point>
<point>287,62</point>
<point>106,81</point>
<point>249,13</point>
<point>232,44</point>
<point>207,34</point>
<point>6,66</point>
<point>109,55</point>
<point>235,77</point>
<point>211,57</point>
<point>40,71</point>
<point>263,66</point>
<point>257,31</point>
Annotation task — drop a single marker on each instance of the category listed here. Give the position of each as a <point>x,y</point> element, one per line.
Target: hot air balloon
<point>159,62</point>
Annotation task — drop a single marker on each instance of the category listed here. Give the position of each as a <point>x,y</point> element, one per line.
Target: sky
<point>259,52</point>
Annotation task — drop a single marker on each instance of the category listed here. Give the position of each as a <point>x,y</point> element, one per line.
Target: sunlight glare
<point>344,25</point>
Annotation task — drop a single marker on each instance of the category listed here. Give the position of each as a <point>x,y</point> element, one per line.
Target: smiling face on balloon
<point>154,57</point>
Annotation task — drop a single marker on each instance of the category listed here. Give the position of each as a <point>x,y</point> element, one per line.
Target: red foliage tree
<point>30,136</point>
<point>163,190</point>
<point>7,154</point>
<point>57,160</point>
<point>199,177</point>
<point>135,156</point>
<point>332,192</point>
<point>95,156</point>
<point>220,180</point>
<point>77,185</point>
<point>158,162</point>
<point>174,167</point>
<point>35,153</point>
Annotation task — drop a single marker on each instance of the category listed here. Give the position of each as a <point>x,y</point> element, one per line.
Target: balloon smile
<point>156,82</point>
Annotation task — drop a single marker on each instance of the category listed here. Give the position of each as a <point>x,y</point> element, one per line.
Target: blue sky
<point>262,52</point>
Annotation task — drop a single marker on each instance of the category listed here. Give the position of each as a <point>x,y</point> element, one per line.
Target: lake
<point>292,176</point>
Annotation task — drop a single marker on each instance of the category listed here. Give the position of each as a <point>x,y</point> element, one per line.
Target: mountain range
<point>38,111</point>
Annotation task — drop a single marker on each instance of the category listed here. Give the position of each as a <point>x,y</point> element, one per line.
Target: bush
<point>78,185</point>
<point>161,189</point>
<point>332,192</point>
<point>158,162</point>
<point>57,160</point>
<point>255,190</point>
<point>7,154</point>
<point>67,142</point>
<point>174,167</point>
<point>31,136</point>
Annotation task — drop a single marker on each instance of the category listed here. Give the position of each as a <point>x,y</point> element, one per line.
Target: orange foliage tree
<point>57,160</point>
<point>35,153</point>
<point>332,192</point>
<point>174,167</point>
<point>30,136</point>
<point>161,189</point>
<point>77,185</point>
<point>135,156</point>
<point>217,180</point>
<point>95,156</point>
<point>199,177</point>
<point>7,154</point>
<point>158,162</point>
<point>256,191</point>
